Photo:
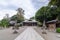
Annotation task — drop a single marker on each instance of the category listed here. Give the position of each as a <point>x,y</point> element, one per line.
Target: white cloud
<point>42,0</point>
<point>6,6</point>
<point>4,12</point>
<point>25,4</point>
<point>3,3</point>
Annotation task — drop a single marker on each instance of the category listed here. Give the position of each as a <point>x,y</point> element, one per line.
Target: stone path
<point>29,34</point>
<point>7,34</point>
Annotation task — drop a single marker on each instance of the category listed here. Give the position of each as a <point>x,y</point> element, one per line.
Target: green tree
<point>4,23</point>
<point>32,18</point>
<point>41,14</point>
<point>46,13</point>
<point>14,17</point>
<point>49,13</point>
<point>20,14</point>
<point>57,4</point>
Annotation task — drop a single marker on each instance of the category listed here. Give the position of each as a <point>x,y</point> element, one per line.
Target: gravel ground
<point>49,35</point>
<point>7,34</point>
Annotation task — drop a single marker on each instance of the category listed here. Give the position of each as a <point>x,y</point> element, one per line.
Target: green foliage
<point>0,24</point>
<point>18,19</point>
<point>14,17</point>
<point>39,24</point>
<point>55,2</point>
<point>19,16</point>
<point>40,15</point>
<point>53,13</point>
<point>46,13</point>
<point>32,17</point>
<point>4,23</point>
<point>58,30</point>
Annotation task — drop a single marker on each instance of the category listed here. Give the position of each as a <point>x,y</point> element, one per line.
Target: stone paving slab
<point>29,34</point>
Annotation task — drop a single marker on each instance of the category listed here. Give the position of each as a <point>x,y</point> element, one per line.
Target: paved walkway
<point>7,34</point>
<point>29,34</point>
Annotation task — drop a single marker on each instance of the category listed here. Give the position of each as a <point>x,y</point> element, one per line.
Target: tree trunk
<point>44,27</point>
<point>5,26</point>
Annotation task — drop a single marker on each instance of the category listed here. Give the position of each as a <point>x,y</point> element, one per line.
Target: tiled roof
<point>52,21</point>
<point>29,21</point>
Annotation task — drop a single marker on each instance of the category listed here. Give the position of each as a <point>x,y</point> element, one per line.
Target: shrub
<point>39,25</point>
<point>58,30</point>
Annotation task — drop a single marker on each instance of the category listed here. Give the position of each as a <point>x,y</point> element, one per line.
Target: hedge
<point>58,30</point>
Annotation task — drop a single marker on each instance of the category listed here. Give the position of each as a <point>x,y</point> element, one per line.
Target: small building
<point>12,23</point>
<point>29,23</point>
<point>25,23</point>
<point>52,25</point>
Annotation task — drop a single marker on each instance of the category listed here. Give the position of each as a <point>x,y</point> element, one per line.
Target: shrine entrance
<point>29,23</point>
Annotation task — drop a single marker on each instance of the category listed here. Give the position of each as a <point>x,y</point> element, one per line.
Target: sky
<point>29,6</point>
